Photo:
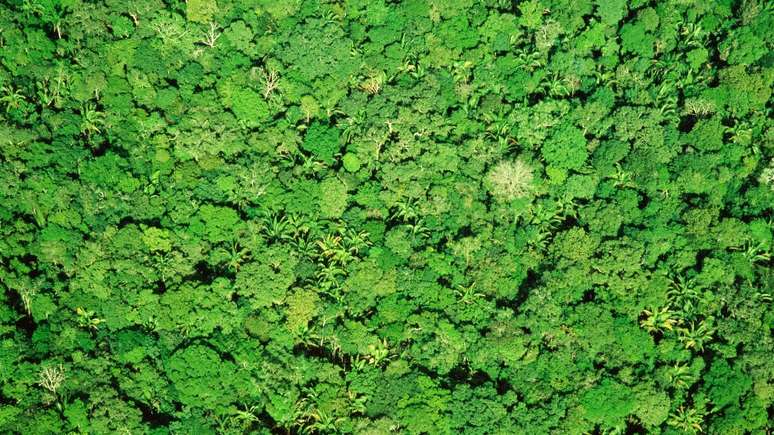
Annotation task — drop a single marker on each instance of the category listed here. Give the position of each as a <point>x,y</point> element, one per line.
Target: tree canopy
<point>373,216</point>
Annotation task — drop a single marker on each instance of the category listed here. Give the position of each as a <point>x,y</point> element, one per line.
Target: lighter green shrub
<point>509,180</point>
<point>767,175</point>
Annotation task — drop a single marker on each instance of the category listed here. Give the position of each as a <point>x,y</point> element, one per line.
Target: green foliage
<point>373,217</point>
<point>333,198</point>
<point>201,11</point>
<point>322,141</point>
<point>607,404</point>
<point>198,376</point>
<point>566,148</point>
<point>351,162</point>
<point>531,14</point>
<point>249,107</point>
<point>611,11</point>
<point>216,224</point>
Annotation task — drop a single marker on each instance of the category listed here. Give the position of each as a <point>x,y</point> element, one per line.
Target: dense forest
<point>386,216</point>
